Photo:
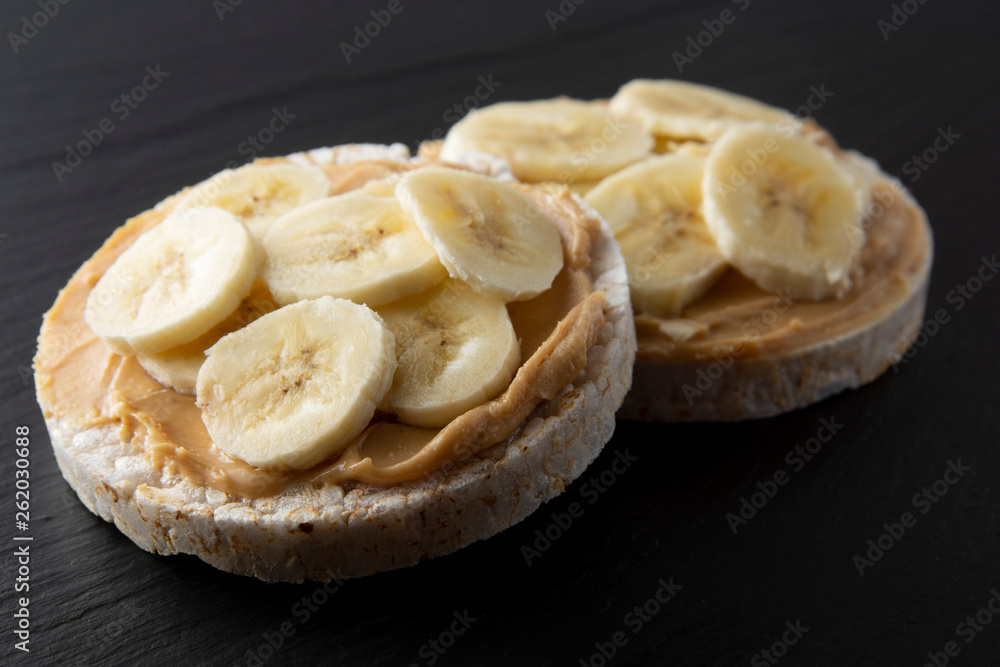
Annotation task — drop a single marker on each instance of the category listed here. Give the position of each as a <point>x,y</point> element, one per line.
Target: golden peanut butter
<point>83,383</point>
<point>736,315</point>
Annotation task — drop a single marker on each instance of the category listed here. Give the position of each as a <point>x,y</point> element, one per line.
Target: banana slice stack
<point>741,184</point>
<point>774,205</point>
<point>562,140</point>
<point>294,316</point>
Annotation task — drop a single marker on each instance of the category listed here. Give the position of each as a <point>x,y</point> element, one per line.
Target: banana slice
<point>297,385</point>
<point>174,283</point>
<point>560,140</point>
<point>177,367</point>
<point>259,193</point>
<point>782,211</point>
<point>682,110</point>
<point>654,209</point>
<point>456,349</point>
<point>357,246</point>
<point>485,232</point>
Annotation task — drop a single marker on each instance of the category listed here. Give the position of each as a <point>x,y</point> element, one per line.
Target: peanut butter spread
<point>83,383</point>
<point>737,316</point>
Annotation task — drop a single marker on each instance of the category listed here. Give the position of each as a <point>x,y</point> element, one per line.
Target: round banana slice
<point>354,246</point>
<point>298,384</point>
<point>485,232</point>
<point>259,193</point>
<point>654,209</point>
<point>177,367</point>
<point>782,211</point>
<point>173,284</point>
<point>562,140</point>
<point>682,110</point>
<point>456,349</point>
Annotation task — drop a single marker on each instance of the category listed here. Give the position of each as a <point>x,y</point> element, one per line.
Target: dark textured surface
<point>97,599</point>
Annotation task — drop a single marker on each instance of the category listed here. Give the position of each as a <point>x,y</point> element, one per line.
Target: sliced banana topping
<point>289,367</point>
<point>259,193</point>
<point>654,209</point>
<point>173,284</point>
<point>357,246</point>
<point>562,140</point>
<point>298,384</point>
<point>456,348</point>
<point>782,211</point>
<point>177,367</point>
<point>682,110</point>
<point>485,232</point>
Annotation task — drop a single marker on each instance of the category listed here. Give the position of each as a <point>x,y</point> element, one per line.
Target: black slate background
<point>97,599</point>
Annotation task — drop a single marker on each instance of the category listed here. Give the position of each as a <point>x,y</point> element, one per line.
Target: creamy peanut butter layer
<point>737,314</point>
